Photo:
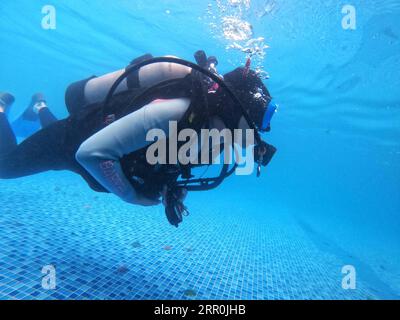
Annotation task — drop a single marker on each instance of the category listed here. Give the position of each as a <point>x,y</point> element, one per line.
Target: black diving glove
<point>263,153</point>
<point>174,208</point>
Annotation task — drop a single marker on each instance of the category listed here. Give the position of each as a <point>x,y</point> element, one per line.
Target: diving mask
<point>270,110</point>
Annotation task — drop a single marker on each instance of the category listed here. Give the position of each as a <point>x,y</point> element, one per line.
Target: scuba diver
<point>104,137</point>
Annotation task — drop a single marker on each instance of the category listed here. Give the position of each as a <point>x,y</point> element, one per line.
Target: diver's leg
<point>41,152</point>
<point>46,117</point>
<point>38,109</point>
<point>7,136</point>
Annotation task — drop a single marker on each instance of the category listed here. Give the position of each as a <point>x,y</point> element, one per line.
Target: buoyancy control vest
<point>149,179</point>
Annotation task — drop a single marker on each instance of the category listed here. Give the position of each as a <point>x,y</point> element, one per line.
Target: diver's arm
<point>101,153</point>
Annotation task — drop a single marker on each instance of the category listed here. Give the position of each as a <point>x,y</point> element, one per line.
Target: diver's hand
<point>173,201</point>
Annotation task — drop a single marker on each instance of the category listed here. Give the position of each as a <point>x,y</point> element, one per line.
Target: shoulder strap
<point>198,112</point>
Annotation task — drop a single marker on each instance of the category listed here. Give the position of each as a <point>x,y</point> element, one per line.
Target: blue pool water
<point>330,198</point>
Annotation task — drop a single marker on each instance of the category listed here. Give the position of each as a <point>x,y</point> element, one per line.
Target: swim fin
<point>6,100</point>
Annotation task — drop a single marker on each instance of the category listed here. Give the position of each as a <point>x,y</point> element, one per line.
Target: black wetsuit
<point>52,148</point>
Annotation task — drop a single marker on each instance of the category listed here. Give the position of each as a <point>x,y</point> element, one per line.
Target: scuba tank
<point>94,89</point>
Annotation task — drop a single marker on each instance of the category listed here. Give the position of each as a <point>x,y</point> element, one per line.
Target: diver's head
<point>254,96</point>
